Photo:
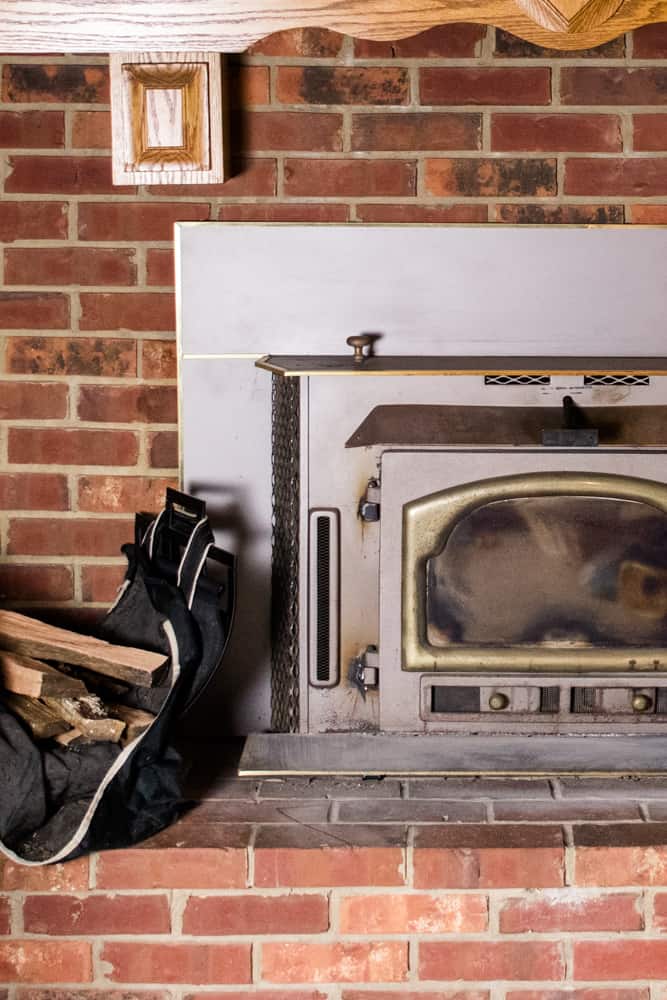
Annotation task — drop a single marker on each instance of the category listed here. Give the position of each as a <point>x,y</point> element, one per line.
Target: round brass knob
<point>359,342</point>
<point>641,703</point>
<point>498,701</point>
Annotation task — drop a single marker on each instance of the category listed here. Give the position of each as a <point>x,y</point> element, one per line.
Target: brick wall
<point>461,124</point>
<point>305,890</point>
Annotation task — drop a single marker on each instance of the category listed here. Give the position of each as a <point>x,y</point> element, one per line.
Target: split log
<point>89,716</point>
<point>136,720</point>
<point>30,637</point>
<point>23,675</point>
<point>41,720</point>
<point>70,737</point>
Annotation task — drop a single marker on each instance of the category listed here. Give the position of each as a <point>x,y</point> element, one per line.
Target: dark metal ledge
<point>360,754</point>
<point>331,364</point>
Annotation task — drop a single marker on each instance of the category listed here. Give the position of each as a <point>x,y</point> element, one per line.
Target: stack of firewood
<point>70,687</point>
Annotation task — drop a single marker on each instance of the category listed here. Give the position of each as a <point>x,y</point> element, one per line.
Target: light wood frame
<point>167,118</point>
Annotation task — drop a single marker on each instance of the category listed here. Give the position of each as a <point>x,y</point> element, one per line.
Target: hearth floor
<point>226,810</point>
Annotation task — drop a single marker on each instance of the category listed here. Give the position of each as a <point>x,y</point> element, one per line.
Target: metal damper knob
<point>359,342</point>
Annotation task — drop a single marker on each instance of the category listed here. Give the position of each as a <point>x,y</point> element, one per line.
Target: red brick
<point>120,914</point>
<point>571,910</point>
<point>36,310</point>
<point>650,133</point>
<point>328,866</point>
<point>135,221</point>
<point>250,178</point>
<point>33,220</point>
<point>32,129</point>
<point>60,83</point>
<point>615,961</point>
<point>248,86</point>
<point>555,215</point>
<point>292,914</point>
<point>122,494</point>
<point>255,994</point>
<point>613,85</point>
<point>512,47</point>
<point>173,868</point>
<point>447,41</point>
<point>144,962</point>
<point>288,212</point>
<point>90,994</point>
<point>91,130</point>
<point>477,177</point>
<point>417,995</point>
<point>350,178</point>
<point>127,311</point>
<point>163,450</point>
<point>335,962</point>
<point>158,359</point>
<point>484,85</point>
<point>32,400</point>
<point>312,43</point>
<point>650,42</point>
<point>101,583</point>
<point>488,868</point>
<point>491,960</point>
<point>413,914</point>
<point>75,536</point>
<point>525,857</point>
<point>582,994</point>
<point>76,356</point>
<point>69,877</point>
<point>660,911</point>
<point>603,866</point>
<point>152,404</point>
<point>649,215</point>
<point>35,583</point>
<point>555,133</point>
<point>33,491</point>
<point>422,213</point>
<point>72,447</point>
<point>408,131</point>
<point>343,85</point>
<point>27,961</point>
<point>160,267</point>
<point>70,266</point>
<point>61,175</point>
<point>5,919</point>
<point>291,130</point>
<point>643,177</point>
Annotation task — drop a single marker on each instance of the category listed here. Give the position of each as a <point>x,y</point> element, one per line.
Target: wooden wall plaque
<point>167,118</point>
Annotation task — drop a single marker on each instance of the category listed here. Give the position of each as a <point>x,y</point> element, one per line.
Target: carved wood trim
<point>167,118</point>
<point>232,25</point>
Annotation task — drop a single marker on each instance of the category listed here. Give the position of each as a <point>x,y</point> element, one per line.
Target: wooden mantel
<point>233,25</point>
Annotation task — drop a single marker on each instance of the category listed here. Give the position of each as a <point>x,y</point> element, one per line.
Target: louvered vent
<point>517,380</point>
<point>324,599</point>
<point>617,380</point>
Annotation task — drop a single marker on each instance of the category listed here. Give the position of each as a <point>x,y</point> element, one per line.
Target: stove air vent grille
<point>517,380</point>
<point>324,598</point>
<point>617,380</point>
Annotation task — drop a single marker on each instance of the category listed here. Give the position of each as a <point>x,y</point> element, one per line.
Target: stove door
<point>522,562</point>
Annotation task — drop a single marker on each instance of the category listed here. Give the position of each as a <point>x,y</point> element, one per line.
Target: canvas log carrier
<point>61,800</point>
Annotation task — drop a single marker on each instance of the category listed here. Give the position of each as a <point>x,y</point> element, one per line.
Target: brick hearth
<point>441,889</point>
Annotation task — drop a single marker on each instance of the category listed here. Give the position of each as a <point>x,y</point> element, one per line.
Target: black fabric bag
<point>177,598</point>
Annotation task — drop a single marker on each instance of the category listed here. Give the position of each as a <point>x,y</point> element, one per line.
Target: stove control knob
<point>360,342</point>
<point>641,703</point>
<point>498,701</point>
